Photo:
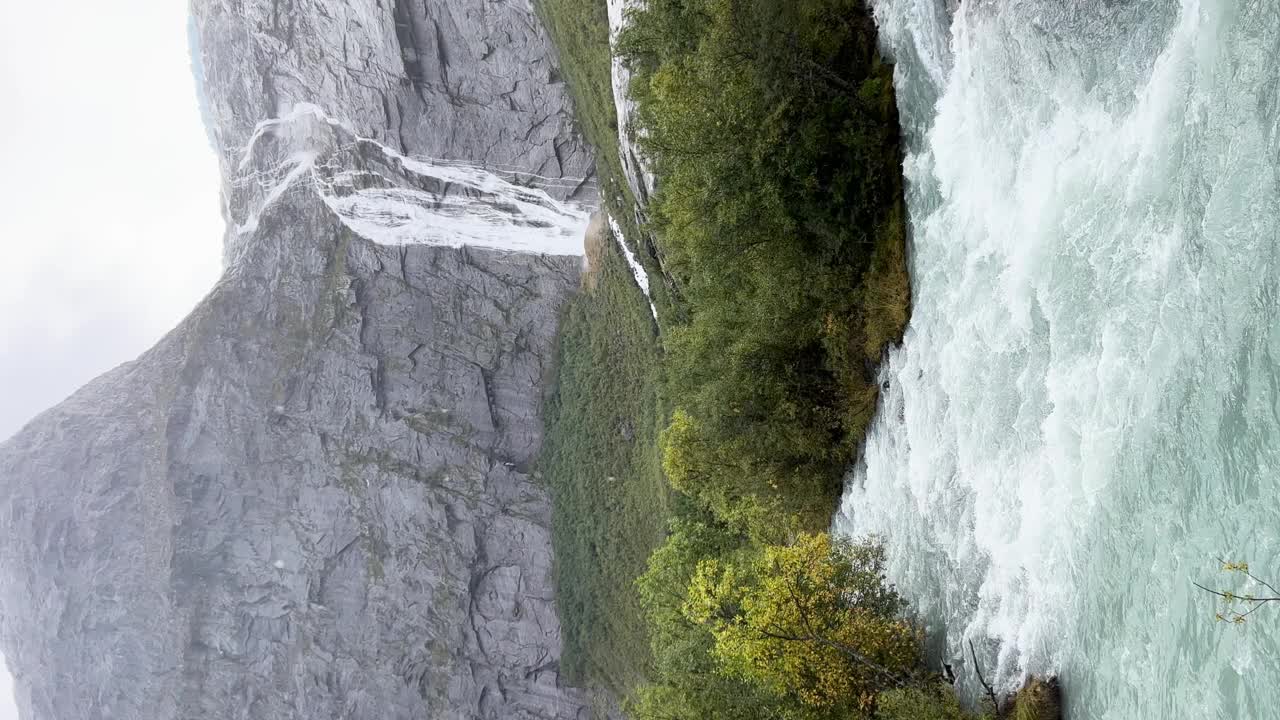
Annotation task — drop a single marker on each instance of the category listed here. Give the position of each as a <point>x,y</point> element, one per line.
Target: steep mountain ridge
<point>314,498</point>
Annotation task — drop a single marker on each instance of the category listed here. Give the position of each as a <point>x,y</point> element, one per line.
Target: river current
<point>1085,412</point>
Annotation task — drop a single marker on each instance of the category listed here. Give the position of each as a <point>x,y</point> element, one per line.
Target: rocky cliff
<point>314,498</point>
<point>469,81</point>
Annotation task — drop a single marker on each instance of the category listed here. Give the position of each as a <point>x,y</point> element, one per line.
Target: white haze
<point>108,196</point>
<point>7,710</point>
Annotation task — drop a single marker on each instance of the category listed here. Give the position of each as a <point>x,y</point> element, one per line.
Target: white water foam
<point>490,212</point>
<point>1086,407</point>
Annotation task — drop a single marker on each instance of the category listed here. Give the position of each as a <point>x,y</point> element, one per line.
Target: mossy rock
<point>1039,699</point>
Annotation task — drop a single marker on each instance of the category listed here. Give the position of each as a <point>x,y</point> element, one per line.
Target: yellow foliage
<point>810,620</point>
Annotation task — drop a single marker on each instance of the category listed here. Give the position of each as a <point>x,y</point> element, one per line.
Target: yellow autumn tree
<point>813,620</point>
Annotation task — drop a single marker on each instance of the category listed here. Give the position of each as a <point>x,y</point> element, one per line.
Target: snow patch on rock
<point>640,177</point>
<point>642,277</point>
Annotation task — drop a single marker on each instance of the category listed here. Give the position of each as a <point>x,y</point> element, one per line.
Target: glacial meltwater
<point>1085,412</point>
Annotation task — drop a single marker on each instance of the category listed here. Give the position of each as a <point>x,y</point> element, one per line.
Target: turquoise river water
<point>1085,412</point>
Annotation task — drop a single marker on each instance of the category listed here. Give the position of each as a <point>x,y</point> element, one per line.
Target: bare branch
<point>1232,596</point>
<point>1255,608</point>
<point>991,693</point>
<point>1264,583</point>
<point>1253,577</point>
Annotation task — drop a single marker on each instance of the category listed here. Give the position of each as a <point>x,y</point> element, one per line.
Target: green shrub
<point>936,703</point>
<point>779,220</point>
<point>777,257</point>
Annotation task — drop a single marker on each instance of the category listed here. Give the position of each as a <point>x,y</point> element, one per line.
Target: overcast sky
<point>108,195</point>
<point>109,216</point>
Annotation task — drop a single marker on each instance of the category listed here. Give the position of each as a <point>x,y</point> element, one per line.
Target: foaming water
<point>392,199</point>
<point>1085,411</point>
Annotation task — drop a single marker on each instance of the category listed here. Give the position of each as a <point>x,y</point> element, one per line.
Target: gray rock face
<point>470,80</point>
<point>313,499</point>
<point>635,164</point>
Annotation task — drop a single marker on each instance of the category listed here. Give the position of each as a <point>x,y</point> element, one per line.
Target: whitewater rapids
<point>1085,411</point>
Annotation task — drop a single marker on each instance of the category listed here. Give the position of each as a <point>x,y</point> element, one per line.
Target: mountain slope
<point>312,499</point>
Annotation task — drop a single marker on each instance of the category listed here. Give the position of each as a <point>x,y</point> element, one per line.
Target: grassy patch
<point>580,29</point>
<point>603,417</point>
<point>600,457</point>
<point>937,702</point>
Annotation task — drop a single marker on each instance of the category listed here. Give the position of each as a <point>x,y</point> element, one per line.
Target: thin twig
<point>1233,596</point>
<point>1254,577</point>
<point>1255,607</point>
<point>1264,583</point>
<point>991,693</point>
